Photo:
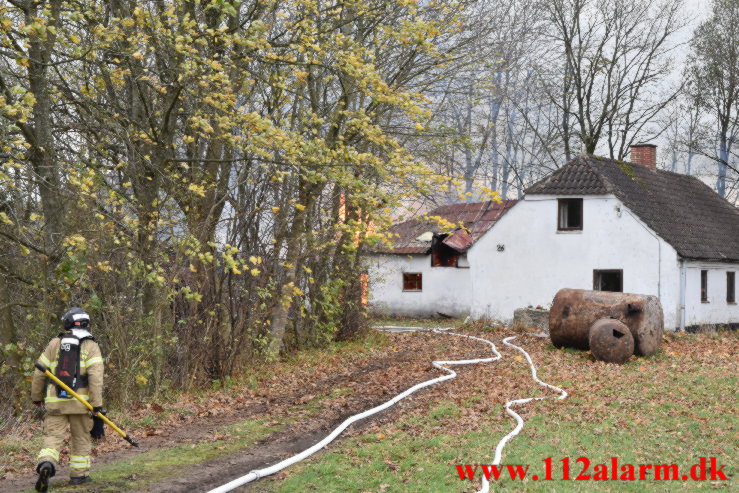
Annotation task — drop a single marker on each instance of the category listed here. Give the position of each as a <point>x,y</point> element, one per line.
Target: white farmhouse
<point>595,223</point>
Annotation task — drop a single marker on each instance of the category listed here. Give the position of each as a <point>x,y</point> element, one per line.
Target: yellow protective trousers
<point>55,430</point>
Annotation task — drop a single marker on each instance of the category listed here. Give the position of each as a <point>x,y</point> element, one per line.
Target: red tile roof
<point>460,240</point>
<point>476,217</point>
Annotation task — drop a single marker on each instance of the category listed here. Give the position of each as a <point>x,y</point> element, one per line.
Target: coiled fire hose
<point>441,365</point>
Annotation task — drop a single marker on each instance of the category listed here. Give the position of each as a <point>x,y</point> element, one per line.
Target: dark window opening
<point>731,287</point>
<point>704,286</point>
<point>608,280</point>
<point>441,254</point>
<point>569,215</point>
<point>412,281</point>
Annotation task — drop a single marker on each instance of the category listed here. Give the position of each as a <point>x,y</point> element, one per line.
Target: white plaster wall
<point>445,289</point>
<point>538,260</point>
<point>717,310</point>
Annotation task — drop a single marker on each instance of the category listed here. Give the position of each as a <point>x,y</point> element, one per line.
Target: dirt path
<point>282,445</point>
<point>202,429</point>
<point>370,382</point>
<point>269,451</point>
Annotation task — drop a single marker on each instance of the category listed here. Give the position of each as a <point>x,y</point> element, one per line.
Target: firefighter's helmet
<point>76,318</point>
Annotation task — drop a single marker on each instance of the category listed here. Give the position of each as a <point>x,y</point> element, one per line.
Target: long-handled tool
<point>86,404</point>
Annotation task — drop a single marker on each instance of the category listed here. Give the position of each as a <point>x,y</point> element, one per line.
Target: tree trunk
<point>286,292</point>
<point>41,152</point>
<point>348,268</point>
<point>723,160</point>
<point>7,327</point>
<point>469,167</point>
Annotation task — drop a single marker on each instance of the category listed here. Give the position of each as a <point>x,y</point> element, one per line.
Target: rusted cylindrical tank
<point>574,311</point>
<point>611,341</point>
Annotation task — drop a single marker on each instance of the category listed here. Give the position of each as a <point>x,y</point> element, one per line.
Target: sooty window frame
<point>598,279</point>
<point>704,286</point>
<point>443,255</point>
<point>413,281</point>
<point>565,208</point>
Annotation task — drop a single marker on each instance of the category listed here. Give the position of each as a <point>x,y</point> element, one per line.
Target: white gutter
<point>683,282</point>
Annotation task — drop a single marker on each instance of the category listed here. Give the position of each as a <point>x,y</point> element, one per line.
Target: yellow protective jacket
<point>91,365</point>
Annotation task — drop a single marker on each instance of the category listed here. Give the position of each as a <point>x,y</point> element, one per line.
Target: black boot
<point>80,480</point>
<point>45,470</point>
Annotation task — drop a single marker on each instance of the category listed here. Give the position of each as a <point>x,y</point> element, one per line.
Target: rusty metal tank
<point>611,341</point>
<point>574,311</point>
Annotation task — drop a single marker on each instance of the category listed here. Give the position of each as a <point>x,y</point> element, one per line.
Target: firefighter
<point>75,358</point>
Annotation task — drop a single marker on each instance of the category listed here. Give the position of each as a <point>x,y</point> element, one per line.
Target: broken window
<point>608,280</point>
<point>731,287</point>
<point>570,215</point>
<point>412,281</point>
<point>704,286</point>
<point>443,255</point>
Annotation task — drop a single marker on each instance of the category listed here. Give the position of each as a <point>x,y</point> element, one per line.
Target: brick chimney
<point>644,154</point>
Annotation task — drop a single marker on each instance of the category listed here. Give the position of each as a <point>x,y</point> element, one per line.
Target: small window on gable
<point>569,215</point>
<point>731,287</point>
<point>441,254</point>
<point>608,280</point>
<point>412,281</point>
<point>704,286</point>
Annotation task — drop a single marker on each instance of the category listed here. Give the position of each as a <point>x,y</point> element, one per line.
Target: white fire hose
<point>519,421</point>
<point>441,365</point>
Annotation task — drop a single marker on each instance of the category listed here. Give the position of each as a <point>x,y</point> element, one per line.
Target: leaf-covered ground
<point>672,408</point>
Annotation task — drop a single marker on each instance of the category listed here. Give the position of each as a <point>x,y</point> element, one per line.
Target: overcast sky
<point>695,12</point>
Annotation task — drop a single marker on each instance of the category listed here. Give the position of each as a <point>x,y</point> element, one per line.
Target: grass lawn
<point>669,409</point>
